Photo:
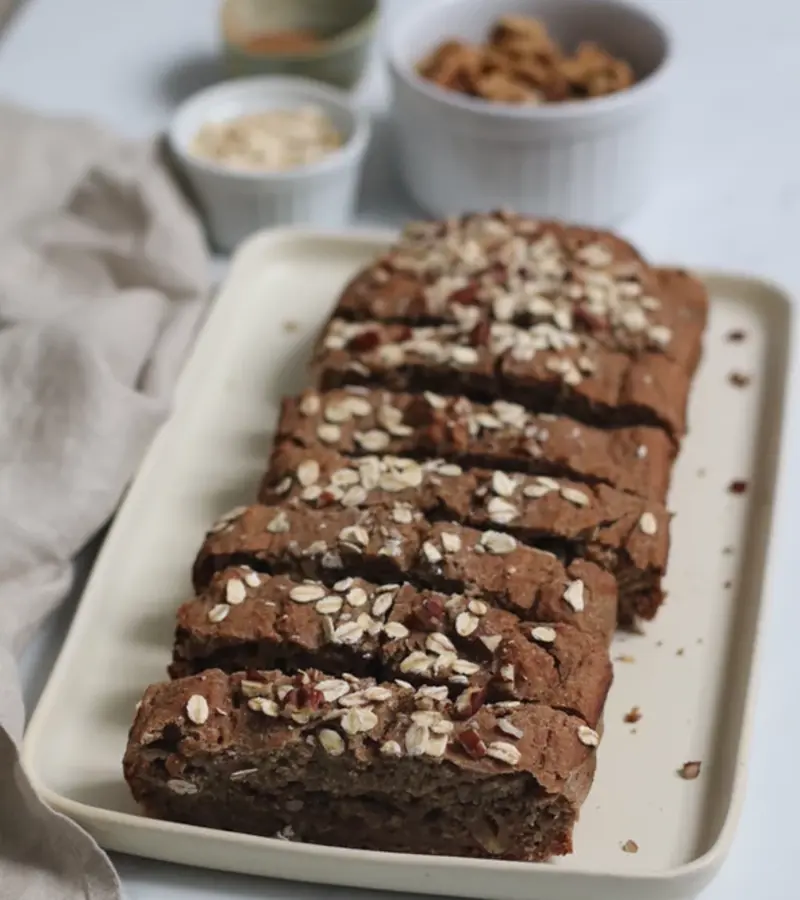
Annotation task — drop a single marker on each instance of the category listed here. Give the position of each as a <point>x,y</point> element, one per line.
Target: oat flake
<point>396,631</point>
<point>219,612</point>
<point>509,728</point>
<point>574,496</point>
<point>331,742</point>
<point>648,523</point>
<point>197,709</point>
<point>235,592</point>
<point>416,739</point>
<point>251,579</point>
<point>498,542</point>
<point>307,593</point>
<point>358,720</point>
<point>308,472</point>
<point>279,525</point>
<point>466,623</point>
<point>544,634</point>
<point>183,788</point>
<point>504,752</point>
<point>432,554</point>
<point>329,434</point>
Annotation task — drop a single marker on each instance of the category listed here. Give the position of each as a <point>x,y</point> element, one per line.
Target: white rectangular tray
<point>692,674</point>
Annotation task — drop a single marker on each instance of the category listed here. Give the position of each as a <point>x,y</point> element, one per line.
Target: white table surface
<point>729,197</point>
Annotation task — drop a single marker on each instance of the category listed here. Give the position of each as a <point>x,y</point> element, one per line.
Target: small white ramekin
<point>235,203</point>
<point>591,161</point>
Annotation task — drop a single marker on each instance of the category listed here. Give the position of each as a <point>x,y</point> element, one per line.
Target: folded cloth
<point>103,284</point>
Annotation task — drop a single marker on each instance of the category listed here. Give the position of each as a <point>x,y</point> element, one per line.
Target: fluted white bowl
<point>593,161</point>
<point>234,203</point>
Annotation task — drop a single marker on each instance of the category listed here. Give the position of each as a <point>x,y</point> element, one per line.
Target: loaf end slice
<point>347,762</point>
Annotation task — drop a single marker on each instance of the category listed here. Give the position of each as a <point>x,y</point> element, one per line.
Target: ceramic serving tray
<point>690,675</point>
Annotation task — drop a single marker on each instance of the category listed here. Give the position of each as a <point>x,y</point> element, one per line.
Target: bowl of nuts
<point>554,107</point>
<point>266,151</point>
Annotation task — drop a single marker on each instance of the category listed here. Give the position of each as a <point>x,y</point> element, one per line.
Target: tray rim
<point>104,824</point>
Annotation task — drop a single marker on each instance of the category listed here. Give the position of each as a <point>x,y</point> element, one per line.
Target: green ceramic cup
<point>346,27</point>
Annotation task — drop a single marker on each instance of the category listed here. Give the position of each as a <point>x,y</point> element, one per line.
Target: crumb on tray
<point>690,770</point>
<point>739,380</point>
<point>632,716</point>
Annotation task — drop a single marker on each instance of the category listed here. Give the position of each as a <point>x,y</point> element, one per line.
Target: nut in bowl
<point>522,63</point>
<point>552,106</point>
<point>262,152</point>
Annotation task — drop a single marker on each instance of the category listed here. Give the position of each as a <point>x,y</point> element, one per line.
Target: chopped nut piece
<point>492,641</point>
<point>472,743</point>
<point>630,847</point>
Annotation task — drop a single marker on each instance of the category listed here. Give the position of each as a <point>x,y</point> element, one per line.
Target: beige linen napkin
<point>103,282</point>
